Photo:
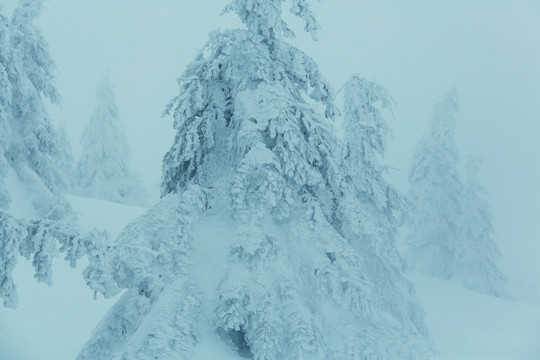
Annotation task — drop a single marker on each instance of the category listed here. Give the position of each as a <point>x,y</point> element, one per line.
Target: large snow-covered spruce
<point>477,255</point>
<point>436,192</point>
<point>103,168</point>
<point>255,246</point>
<point>31,156</point>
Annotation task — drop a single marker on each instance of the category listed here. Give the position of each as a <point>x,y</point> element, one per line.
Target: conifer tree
<point>5,109</point>
<point>477,255</point>
<point>248,245</point>
<point>103,168</point>
<point>436,193</point>
<point>65,161</point>
<point>30,149</point>
<point>364,147</point>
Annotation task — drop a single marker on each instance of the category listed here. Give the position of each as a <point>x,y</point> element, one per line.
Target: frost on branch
<point>264,17</point>
<point>12,232</point>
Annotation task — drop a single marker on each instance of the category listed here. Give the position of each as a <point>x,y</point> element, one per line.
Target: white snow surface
<point>54,323</point>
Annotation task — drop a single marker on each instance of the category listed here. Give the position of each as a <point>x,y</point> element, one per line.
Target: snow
<point>467,325</point>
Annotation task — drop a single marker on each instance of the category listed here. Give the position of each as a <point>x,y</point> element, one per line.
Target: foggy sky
<point>489,50</point>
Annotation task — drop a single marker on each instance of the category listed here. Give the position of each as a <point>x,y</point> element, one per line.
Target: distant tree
<point>103,168</point>
<point>436,193</point>
<point>251,238</point>
<point>65,161</point>
<point>477,255</point>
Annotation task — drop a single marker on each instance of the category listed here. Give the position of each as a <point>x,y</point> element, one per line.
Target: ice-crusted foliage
<point>34,141</point>
<point>253,190</point>
<point>365,136</point>
<point>477,255</point>
<point>363,149</point>
<point>103,168</point>
<point>436,192</point>
<point>155,318</point>
<point>5,108</point>
<point>38,240</point>
<point>12,232</point>
<point>237,74</point>
<point>265,17</point>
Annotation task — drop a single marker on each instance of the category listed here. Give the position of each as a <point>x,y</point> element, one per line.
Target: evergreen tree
<point>249,242</point>
<point>477,254</point>
<point>363,149</point>
<point>5,108</point>
<point>103,168</point>
<point>30,148</point>
<point>34,149</point>
<point>65,161</point>
<point>436,192</point>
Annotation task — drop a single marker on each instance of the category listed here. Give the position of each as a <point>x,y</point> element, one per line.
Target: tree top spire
<point>265,17</point>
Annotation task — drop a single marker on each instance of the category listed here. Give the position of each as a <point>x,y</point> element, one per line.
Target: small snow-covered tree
<point>249,243</point>
<point>477,255</point>
<point>436,193</point>
<point>103,167</point>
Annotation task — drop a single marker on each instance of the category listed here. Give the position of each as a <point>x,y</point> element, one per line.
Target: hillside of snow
<point>54,323</point>
<point>470,326</point>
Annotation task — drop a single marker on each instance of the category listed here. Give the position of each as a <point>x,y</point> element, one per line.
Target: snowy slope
<point>54,323</point>
<point>470,326</point>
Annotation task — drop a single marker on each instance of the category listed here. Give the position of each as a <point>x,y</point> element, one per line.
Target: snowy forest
<point>269,180</point>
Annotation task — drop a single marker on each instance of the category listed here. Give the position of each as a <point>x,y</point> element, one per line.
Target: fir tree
<point>436,192</point>
<point>65,161</point>
<point>31,74</point>
<point>5,108</point>
<point>477,254</point>
<point>247,242</point>
<point>103,168</point>
<point>30,148</point>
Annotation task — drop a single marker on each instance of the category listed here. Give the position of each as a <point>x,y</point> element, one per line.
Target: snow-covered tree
<point>5,108</point>
<point>364,147</point>
<point>30,151</point>
<point>477,255</point>
<point>252,244</point>
<point>103,168</point>
<point>65,161</point>
<point>436,193</point>
<point>34,146</point>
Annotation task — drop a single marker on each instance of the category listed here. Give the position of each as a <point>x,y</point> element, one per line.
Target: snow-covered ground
<point>470,326</point>
<point>54,323</point>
